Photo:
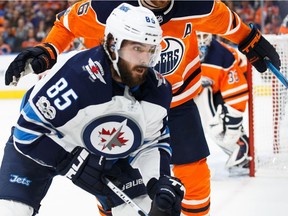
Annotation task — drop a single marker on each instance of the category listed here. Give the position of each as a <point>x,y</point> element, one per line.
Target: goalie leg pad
<point>240,154</point>
<point>226,128</point>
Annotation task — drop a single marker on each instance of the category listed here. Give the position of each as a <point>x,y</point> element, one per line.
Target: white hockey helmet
<point>139,24</point>
<point>204,41</point>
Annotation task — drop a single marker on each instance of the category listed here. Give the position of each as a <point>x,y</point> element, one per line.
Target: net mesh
<point>270,115</point>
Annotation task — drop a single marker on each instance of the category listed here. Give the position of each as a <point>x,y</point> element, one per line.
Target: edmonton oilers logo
<point>112,136</point>
<point>171,56</point>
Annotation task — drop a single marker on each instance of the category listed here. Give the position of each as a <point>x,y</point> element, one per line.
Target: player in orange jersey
<point>179,63</point>
<point>225,94</point>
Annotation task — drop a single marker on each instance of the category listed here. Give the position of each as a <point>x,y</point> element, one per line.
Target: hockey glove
<point>86,171</point>
<point>41,57</point>
<point>256,48</point>
<point>167,194</point>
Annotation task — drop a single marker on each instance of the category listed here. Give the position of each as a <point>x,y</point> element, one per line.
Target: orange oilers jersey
<point>179,62</point>
<point>221,69</point>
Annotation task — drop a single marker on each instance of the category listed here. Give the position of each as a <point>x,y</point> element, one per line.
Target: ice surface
<point>231,196</point>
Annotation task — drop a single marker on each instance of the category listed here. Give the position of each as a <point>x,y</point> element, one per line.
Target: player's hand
<point>256,48</point>
<point>86,171</point>
<point>167,194</point>
<point>41,58</point>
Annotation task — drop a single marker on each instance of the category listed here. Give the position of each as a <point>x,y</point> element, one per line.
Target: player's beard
<point>131,75</point>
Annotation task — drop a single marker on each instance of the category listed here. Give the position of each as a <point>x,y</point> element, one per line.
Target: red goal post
<point>268,116</point>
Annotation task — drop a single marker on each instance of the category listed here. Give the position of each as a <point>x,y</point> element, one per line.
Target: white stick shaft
<point>124,197</point>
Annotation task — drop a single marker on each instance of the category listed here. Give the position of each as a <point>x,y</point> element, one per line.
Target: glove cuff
<point>152,187</point>
<point>77,158</point>
<point>51,51</point>
<point>250,41</point>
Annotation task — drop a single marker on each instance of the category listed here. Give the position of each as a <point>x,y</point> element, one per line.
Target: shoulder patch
<point>161,80</point>
<point>95,70</point>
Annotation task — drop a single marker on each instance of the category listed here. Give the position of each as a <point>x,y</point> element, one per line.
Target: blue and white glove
<point>167,194</point>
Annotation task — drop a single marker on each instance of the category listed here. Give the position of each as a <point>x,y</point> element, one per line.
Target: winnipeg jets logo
<point>95,70</point>
<point>112,136</point>
<point>160,78</point>
<point>171,56</point>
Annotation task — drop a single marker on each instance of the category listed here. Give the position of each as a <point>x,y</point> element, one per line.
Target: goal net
<point>268,116</point>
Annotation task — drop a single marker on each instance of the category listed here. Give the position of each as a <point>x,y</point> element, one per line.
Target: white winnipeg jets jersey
<point>81,105</point>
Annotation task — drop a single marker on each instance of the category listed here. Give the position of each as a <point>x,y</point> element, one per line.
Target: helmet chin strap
<point>114,62</point>
<point>115,66</point>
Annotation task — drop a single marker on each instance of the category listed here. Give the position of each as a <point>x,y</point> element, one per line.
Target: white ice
<point>231,196</point>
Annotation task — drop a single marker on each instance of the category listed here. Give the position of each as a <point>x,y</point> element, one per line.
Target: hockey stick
<point>277,73</point>
<point>124,197</point>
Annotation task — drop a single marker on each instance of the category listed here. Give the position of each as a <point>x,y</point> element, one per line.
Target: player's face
<point>134,60</point>
<point>131,75</point>
<point>138,53</point>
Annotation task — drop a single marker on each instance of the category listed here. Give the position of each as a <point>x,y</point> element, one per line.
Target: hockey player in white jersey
<point>102,114</point>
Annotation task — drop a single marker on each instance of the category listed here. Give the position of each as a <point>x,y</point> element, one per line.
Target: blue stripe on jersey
<point>30,113</point>
<point>40,127</point>
<point>24,135</point>
<point>32,126</point>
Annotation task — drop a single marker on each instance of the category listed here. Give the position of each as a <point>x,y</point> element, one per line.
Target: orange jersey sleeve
<point>79,20</point>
